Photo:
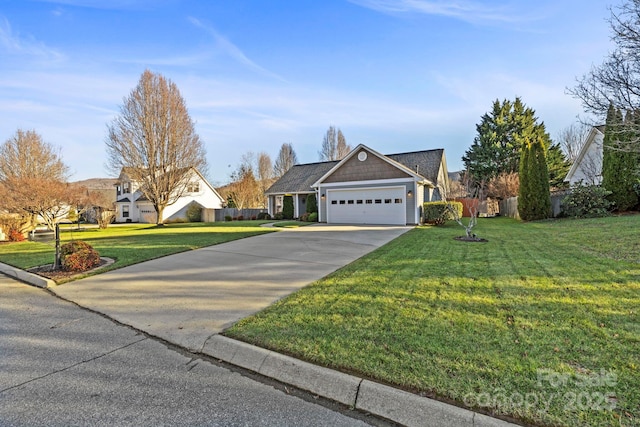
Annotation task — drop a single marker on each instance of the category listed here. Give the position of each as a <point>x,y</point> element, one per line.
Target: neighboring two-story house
<point>133,206</point>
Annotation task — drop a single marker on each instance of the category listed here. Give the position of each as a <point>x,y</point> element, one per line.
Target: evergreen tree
<point>312,203</point>
<point>497,147</point>
<point>534,201</point>
<point>558,166</point>
<point>619,167</point>
<point>287,207</point>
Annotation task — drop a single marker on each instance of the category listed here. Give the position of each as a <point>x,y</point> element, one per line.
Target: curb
<point>387,402</point>
<point>26,277</point>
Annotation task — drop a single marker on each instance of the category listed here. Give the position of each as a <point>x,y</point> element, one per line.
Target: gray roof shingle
<point>424,163</point>
<point>299,178</point>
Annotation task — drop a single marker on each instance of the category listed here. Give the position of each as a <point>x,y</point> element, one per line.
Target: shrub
<point>240,218</point>
<point>175,221</point>
<point>14,227</point>
<point>313,217</point>
<point>312,203</point>
<point>587,201</point>
<point>253,217</point>
<point>228,218</point>
<point>72,247</point>
<point>305,217</point>
<point>287,207</point>
<point>436,213</point>
<point>15,235</point>
<point>264,215</point>
<point>78,256</point>
<point>279,216</point>
<point>194,213</point>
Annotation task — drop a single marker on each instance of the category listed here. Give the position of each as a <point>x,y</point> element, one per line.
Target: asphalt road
<point>63,365</point>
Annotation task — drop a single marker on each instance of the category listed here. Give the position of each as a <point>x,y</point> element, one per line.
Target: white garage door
<point>367,206</point>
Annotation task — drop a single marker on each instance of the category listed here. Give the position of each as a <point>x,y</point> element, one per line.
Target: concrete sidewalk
<point>188,298</point>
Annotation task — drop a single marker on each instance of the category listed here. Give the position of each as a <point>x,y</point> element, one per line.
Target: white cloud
<point>15,44</point>
<point>231,50</point>
<point>464,10</point>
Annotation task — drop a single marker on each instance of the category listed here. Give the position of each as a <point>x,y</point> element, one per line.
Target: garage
<point>385,205</point>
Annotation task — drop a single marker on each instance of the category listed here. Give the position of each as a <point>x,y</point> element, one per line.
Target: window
<point>125,211</point>
<point>334,202</point>
<point>193,187</point>
<point>398,201</point>
<point>126,187</point>
<point>378,201</point>
<point>387,201</point>
<point>342,202</point>
<point>359,202</point>
<point>350,202</point>
<point>369,201</point>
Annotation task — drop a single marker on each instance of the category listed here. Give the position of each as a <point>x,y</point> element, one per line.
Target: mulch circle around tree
<point>56,275</point>
<point>470,239</point>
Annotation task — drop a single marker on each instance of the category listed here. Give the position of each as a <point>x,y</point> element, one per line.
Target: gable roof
<point>424,163</point>
<point>194,173</point>
<point>596,131</point>
<point>359,148</point>
<point>301,178</point>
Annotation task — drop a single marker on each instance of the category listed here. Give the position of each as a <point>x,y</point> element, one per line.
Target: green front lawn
<point>291,224</point>
<point>134,243</point>
<point>541,323</point>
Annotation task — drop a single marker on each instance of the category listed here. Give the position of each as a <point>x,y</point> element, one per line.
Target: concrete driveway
<point>188,297</point>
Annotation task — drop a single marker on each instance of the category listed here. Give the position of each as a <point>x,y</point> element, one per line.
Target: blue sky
<point>396,75</point>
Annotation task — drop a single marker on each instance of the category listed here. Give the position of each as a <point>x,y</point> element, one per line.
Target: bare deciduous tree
<point>617,80</point>
<point>473,190</point>
<point>38,199</point>
<point>33,180</point>
<point>504,186</point>
<point>26,155</point>
<point>334,145</point>
<point>572,138</point>
<point>95,205</point>
<point>154,138</point>
<point>286,158</point>
<point>244,190</point>
<point>264,175</point>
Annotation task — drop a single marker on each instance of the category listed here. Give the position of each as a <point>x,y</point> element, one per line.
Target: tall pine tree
<point>619,168</point>
<point>497,147</point>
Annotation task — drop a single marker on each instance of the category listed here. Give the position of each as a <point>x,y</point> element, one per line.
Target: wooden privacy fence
<point>509,207</point>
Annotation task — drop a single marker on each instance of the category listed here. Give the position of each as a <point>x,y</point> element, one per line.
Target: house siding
<point>141,210</point>
<point>372,168</point>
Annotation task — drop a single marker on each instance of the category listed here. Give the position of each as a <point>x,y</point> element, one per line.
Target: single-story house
<point>133,206</point>
<point>365,187</point>
<point>588,164</point>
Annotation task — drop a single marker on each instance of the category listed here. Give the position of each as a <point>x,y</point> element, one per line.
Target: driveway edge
<point>381,400</point>
<point>26,277</point>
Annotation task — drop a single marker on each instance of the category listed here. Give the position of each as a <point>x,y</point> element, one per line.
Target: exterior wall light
<point>410,193</point>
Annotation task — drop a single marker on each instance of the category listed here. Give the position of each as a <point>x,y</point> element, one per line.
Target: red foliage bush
<point>15,236</point>
<point>79,256</point>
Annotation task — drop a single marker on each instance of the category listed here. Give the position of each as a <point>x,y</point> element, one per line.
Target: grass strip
<point>134,243</point>
<point>540,323</point>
